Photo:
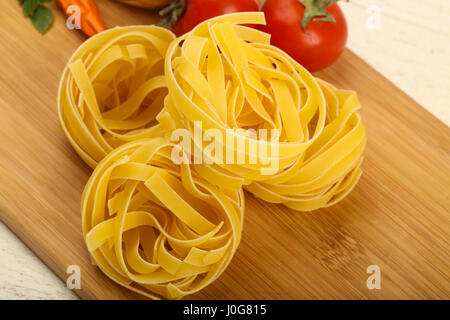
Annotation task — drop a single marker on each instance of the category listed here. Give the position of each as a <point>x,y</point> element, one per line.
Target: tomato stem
<point>172,12</point>
<point>316,10</point>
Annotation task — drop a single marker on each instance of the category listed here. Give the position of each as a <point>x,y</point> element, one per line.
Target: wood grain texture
<point>23,275</point>
<point>409,42</point>
<point>397,217</point>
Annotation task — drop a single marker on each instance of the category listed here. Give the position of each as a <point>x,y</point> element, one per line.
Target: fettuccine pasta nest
<point>112,89</point>
<point>228,77</point>
<point>167,228</point>
<point>157,228</point>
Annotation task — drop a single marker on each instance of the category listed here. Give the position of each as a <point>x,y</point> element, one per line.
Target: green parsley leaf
<point>42,19</point>
<point>29,7</point>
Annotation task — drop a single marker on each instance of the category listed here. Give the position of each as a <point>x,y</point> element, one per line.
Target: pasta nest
<point>225,78</point>
<point>112,89</point>
<point>258,120</point>
<point>157,228</point>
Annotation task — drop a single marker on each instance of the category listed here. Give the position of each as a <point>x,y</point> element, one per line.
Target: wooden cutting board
<point>397,217</point>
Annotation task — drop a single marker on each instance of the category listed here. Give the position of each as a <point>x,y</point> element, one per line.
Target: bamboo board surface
<point>397,217</point>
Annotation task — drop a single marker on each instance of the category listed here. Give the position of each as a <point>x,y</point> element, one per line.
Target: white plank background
<point>406,40</point>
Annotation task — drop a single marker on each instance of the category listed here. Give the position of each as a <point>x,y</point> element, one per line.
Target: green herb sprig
<point>41,16</point>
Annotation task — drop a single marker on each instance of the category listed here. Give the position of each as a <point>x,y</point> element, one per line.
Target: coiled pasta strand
<point>112,89</point>
<point>157,228</point>
<point>229,78</point>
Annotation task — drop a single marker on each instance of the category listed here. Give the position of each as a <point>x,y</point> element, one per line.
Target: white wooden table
<point>406,40</point>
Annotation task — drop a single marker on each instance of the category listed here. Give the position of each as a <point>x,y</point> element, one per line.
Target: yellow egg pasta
<point>157,228</point>
<point>112,89</point>
<point>256,121</point>
<point>228,78</point>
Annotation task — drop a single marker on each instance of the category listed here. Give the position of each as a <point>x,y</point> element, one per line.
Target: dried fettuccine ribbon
<point>330,168</point>
<point>157,228</point>
<point>225,76</point>
<point>112,89</point>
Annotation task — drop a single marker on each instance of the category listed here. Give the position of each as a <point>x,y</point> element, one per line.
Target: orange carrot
<point>91,22</point>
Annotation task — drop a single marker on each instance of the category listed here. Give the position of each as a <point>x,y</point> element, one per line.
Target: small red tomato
<point>195,11</point>
<point>312,32</point>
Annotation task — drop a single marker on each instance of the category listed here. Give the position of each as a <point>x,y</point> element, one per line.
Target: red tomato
<point>197,11</point>
<point>316,47</point>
